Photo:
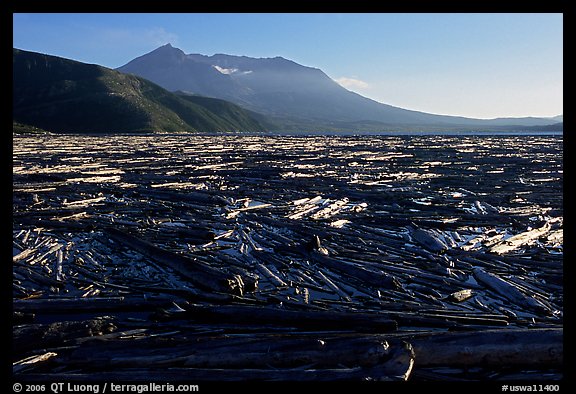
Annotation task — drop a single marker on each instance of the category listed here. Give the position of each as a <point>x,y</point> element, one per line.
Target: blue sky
<point>474,65</point>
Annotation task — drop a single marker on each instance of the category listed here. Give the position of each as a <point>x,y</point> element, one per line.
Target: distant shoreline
<point>320,133</point>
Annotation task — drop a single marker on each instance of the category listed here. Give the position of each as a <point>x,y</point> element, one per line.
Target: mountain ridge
<point>63,95</point>
<point>287,91</point>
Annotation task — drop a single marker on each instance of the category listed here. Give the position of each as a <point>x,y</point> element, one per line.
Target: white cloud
<point>352,83</point>
<point>229,71</point>
<point>226,70</point>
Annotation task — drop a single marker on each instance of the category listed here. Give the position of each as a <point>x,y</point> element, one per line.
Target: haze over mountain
<point>290,94</point>
<point>62,95</point>
<point>559,118</point>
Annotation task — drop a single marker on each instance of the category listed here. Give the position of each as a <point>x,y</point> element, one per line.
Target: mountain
<point>558,118</point>
<point>556,127</point>
<point>62,95</point>
<point>290,94</point>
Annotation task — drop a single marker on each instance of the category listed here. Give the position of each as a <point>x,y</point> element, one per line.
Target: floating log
<point>336,289</point>
<point>383,267</point>
<point>58,265</point>
<point>199,235</point>
<point>521,239</point>
<point>491,348</point>
<point>92,304</point>
<point>361,322</point>
<point>36,277</point>
<point>83,203</point>
<point>371,277</point>
<point>270,275</point>
<point>201,275</point>
<point>22,318</point>
<point>192,196</point>
<point>427,239</point>
<point>30,362</point>
<point>265,351</point>
<point>397,366</point>
<point>509,291</point>
<point>37,336</point>
<point>460,296</point>
<point>22,255</point>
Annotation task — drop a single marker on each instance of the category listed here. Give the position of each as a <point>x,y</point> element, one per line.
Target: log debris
<point>515,347</point>
<point>235,257</point>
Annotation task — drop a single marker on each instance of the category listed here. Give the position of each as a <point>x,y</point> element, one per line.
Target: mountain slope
<point>62,95</point>
<point>556,127</point>
<point>284,90</point>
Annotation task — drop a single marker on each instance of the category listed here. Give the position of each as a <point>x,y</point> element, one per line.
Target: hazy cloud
<point>154,36</point>
<point>352,83</point>
<point>125,43</point>
<point>159,36</point>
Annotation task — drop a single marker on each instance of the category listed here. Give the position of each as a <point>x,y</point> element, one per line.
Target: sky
<point>474,65</point>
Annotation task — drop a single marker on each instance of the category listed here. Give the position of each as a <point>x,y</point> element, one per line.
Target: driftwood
<point>427,239</point>
<point>265,351</point>
<point>518,240</point>
<point>332,286</point>
<point>461,295</point>
<point>362,322</point>
<point>377,279</point>
<point>31,336</point>
<point>196,197</point>
<point>509,291</point>
<point>83,305</point>
<point>233,375</point>
<point>276,238</point>
<point>297,353</point>
<point>393,364</point>
<point>36,277</point>
<point>30,362</point>
<point>270,275</point>
<point>519,348</point>
<point>199,274</point>
<point>503,348</point>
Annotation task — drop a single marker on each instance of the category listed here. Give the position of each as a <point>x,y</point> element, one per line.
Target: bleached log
<point>461,295</point>
<point>273,278</point>
<point>519,240</point>
<point>83,203</point>
<point>331,285</point>
<point>22,255</point>
<point>58,268</point>
<point>198,273</point>
<point>54,248</point>
<point>330,210</point>
<point>509,291</point>
<point>427,239</point>
<point>30,362</point>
